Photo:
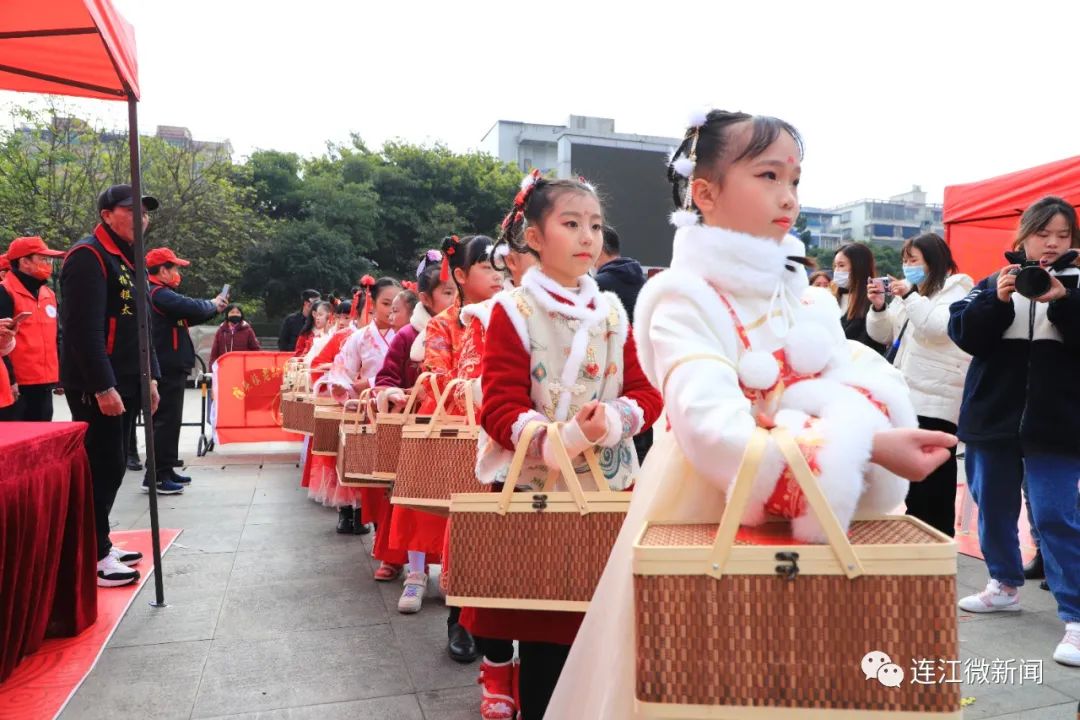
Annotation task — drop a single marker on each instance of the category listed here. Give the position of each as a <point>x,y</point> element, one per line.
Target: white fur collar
<point>420,319</point>
<point>545,291</point>
<point>738,263</point>
<point>480,311</point>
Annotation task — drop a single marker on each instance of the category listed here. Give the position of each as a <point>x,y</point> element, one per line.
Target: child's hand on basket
<point>911,453</point>
<point>592,420</point>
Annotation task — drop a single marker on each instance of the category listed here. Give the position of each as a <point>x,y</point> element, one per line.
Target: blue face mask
<point>914,274</point>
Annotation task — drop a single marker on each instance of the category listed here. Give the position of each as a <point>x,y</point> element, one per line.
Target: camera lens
<point>1031,282</point>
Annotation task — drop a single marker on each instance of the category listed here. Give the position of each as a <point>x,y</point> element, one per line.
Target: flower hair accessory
<point>429,257</point>
<point>409,285</point>
<point>450,244</point>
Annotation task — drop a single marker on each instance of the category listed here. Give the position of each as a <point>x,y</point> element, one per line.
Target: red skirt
<point>525,625</point>
<point>376,505</point>
<point>305,474</point>
<point>417,531</point>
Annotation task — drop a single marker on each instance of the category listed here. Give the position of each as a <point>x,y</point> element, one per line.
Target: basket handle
<point>835,534</point>
<point>414,394</point>
<point>440,409</point>
<point>566,466</point>
<point>365,404</point>
<point>740,498</point>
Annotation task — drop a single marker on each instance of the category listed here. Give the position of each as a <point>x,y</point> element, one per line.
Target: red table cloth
<point>48,553</point>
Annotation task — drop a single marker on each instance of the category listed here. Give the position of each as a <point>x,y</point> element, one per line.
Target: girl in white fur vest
<point>736,340</point>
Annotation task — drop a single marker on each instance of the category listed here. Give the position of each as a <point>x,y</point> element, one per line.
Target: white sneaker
<point>412,597</point>
<point>127,557</point>
<point>993,599</point>
<point>1068,651</point>
<point>112,573</point>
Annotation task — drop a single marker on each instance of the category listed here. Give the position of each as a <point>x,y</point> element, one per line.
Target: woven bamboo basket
<point>567,536</point>
<point>356,445</point>
<point>295,384</point>
<point>328,420</point>
<point>438,458</point>
<point>389,426</point>
<point>749,623</point>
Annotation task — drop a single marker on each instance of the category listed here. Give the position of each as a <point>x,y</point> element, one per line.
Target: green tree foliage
<point>53,166</point>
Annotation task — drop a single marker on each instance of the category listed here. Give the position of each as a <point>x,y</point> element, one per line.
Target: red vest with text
<point>34,357</point>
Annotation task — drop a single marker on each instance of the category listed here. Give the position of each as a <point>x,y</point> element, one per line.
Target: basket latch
<point>539,502</point>
<point>788,572</point>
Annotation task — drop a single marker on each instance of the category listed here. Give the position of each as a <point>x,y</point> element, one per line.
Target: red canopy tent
<point>85,48</point>
<point>981,217</point>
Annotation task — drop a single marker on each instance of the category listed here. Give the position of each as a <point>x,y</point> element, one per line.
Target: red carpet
<point>42,683</point>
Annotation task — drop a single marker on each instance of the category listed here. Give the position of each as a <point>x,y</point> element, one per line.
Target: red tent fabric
<point>67,47</point>
<point>981,217</point>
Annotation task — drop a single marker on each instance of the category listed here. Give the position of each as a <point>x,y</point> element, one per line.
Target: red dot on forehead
<point>791,160</point>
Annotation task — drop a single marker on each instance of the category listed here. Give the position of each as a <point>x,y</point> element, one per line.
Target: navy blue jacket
<point>171,316</point>
<point>99,333</point>
<point>624,277</point>
<point>1021,385</point>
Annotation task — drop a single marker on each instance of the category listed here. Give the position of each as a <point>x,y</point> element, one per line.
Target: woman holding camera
<point>915,328</point>
<point>853,268</point>
<point>1020,413</point>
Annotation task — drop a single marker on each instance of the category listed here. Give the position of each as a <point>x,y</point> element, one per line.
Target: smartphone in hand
<point>20,318</point>
<point>225,290</point>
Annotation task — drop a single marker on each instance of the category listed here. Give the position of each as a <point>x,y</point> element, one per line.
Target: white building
<point>628,170</point>
<point>889,222</point>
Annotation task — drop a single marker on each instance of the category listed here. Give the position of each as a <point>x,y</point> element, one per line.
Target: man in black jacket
<point>99,368</point>
<point>171,316</point>
<point>625,278</point>
<point>614,273</point>
<point>293,324</point>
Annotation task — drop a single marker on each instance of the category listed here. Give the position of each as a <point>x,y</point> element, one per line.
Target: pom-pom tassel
<point>444,272</point>
<point>684,166</point>
<point>684,218</point>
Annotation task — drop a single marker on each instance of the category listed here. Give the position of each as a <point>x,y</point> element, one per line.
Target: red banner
<point>247,398</point>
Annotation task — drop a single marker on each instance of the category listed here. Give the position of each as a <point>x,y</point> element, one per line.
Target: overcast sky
<point>886,94</point>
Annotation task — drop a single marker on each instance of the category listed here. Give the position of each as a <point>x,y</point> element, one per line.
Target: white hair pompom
<point>502,251</point>
<point>683,218</point>
<point>698,118</point>
<point>684,166</point>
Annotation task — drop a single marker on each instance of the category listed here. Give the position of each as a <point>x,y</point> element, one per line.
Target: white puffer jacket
<point>933,366</point>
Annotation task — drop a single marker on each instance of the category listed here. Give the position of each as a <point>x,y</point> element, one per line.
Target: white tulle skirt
<point>597,681</point>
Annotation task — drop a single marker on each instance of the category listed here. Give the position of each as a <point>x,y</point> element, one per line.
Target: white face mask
<point>842,278</point>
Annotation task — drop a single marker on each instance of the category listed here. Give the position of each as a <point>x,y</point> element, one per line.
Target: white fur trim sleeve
<point>522,420</point>
<point>710,417</point>
<point>624,419</point>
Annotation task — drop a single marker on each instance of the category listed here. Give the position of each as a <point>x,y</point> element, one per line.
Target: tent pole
<point>144,341</point>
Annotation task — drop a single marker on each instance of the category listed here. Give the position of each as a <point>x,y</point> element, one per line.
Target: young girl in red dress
<point>467,262</point>
<point>399,372</point>
<point>557,349</point>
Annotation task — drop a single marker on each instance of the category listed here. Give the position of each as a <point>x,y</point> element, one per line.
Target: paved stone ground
<point>274,616</point>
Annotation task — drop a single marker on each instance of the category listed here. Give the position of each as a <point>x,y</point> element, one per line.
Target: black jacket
<point>290,330</point>
<point>624,277</point>
<point>100,334</point>
<point>855,329</point>
<point>171,316</point>
<point>1025,359</point>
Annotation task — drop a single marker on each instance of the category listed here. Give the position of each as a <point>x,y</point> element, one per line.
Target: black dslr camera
<point>1032,279</point>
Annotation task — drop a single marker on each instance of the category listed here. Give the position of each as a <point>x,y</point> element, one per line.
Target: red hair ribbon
<point>451,248</point>
<point>367,282</point>
<point>408,285</point>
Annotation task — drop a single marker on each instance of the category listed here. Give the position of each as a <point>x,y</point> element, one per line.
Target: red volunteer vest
<point>6,397</point>
<point>34,357</point>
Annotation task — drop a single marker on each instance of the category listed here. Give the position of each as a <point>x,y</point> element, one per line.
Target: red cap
<point>160,256</point>
<point>24,246</point>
